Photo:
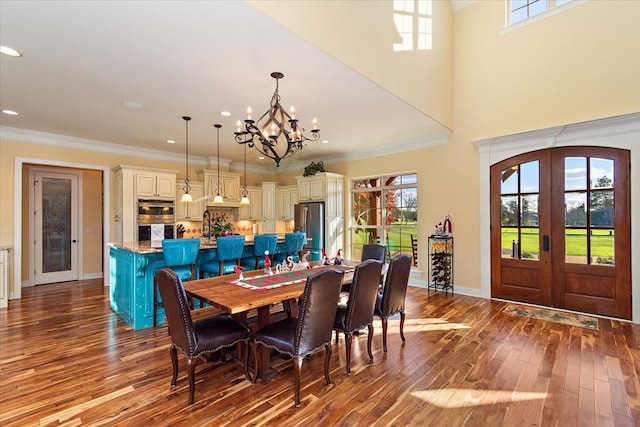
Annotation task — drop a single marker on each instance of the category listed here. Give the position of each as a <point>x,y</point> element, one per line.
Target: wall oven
<point>155,219</point>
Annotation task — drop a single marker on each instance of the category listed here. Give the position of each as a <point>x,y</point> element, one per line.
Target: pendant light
<point>186,197</point>
<point>245,193</point>
<point>218,198</point>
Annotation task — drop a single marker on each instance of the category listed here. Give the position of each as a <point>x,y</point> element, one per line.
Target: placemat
<point>264,282</point>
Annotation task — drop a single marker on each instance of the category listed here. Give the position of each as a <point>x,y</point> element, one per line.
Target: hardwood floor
<point>67,359</point>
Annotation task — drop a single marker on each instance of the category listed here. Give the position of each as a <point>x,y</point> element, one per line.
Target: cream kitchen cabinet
<point>252,212</point>
<point>269,207</point>
<point>311,188</point>
<point>150,185</point>
<point>131,183</point>
<point>286,198</point>
<point>229,186</point>
<point>190,211</point>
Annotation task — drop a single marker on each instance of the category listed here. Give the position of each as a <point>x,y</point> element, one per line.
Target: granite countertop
<point>155,246</point>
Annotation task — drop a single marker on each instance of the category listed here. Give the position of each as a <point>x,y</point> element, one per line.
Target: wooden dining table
<point>238,299</point>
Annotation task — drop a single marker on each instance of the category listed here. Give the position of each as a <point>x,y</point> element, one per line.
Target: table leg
<point>265,372</point>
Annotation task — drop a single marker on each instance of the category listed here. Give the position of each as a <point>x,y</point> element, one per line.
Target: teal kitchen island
<point>132,267</point>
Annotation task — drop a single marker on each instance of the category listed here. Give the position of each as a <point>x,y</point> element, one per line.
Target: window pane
<point>575,173</point>
<point>602,247</point>
<point>509,210</point>
<point>366,183</point>
<point>399,240</point>
<point>509,179</point>
<point>529,210</point>
<point>575,205</point>
<point>366,208</point>
<point>530,243</point>
<point>56,225</point>
<point>530,177</point>
<point>518,15</point>
<point>517,4</point>
<point>537,6</point>
<point>575,246</point>
<point>602,208</point>
<point>361,236</point>
<point>602,173</point>
<point>509,239</point>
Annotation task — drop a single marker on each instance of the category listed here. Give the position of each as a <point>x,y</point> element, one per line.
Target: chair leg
<point>191,371</point>
<point>385,324</point>
<point>369,341</point>
<point>174,362</point>
<point>327,358</point>
<point>256,366</point>
<point>347,339</point>
<point>402,326</point>
<point>297,367</point>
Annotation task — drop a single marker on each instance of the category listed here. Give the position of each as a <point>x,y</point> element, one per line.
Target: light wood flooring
<point>67,359</point>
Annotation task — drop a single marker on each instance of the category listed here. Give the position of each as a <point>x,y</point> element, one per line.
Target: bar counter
<point>132,267</point>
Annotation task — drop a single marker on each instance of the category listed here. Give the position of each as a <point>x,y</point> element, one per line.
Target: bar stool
<point>228,254</point>
<point>180,256</point>
<point>293,244</point>
<point>261,244</point>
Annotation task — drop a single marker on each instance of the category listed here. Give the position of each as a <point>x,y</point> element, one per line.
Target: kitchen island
<point>132,267</point>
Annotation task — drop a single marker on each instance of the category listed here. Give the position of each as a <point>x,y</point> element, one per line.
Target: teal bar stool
<point>261,243</point>
<point>180,256</point>
<point>293,243</point>
<point>228,254</point>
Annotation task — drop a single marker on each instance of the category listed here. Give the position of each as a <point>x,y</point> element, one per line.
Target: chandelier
<point>275,129</point>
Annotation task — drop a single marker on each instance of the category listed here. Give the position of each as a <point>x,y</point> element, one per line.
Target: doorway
<point>560,229</point>
<point>55,221</point>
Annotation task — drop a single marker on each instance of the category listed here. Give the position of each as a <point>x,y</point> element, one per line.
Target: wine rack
<point>440,252</point>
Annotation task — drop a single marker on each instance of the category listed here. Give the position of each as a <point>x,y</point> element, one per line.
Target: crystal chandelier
<point>265,133</point>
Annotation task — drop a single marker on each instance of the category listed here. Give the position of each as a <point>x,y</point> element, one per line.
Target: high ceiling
<point>83,61</point>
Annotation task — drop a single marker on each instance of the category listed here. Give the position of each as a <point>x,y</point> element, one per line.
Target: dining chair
<point>414,250</point>
<point>228,254</point>
<point>196,339</point>
<point>357,312</point>
<point>293,244</point>
<point>374,251</point>
<point>261,244</point>
<point>180,255</point>
<point>300,336</point>
<point>391,300</point>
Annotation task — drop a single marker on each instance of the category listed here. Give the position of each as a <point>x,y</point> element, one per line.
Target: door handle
<point>74,241</point>
<point>545,243</point>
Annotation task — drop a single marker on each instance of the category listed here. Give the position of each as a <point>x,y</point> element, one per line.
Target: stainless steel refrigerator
<point>309,218</point>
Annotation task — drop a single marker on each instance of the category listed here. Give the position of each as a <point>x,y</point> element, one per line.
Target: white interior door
<point>55,227</point>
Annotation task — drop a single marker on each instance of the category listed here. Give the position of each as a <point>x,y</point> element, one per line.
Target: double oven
<point>155,219</point>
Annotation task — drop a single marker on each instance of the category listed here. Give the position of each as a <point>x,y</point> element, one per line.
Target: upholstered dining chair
<point>196,339</point>
<point>293,244</point>
<point>357,312</point>
<point>261,244</point>
<point>180,255</point>
<point>391,300</point>
<point>374,251</point>
<point>228,254</point>
<point>300,336</point>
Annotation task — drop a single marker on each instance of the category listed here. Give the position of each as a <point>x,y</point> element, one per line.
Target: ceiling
<point>83,61</point>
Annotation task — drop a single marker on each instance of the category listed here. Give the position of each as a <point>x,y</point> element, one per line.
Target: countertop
<point>155,246</point>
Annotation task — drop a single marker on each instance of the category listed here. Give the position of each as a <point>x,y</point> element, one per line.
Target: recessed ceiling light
<point>132,104</point>
<point>10,112</point>
<point>325,141</point>
<point>8,51</point>
<point>225,113</point>
<point>261,158</point>
<point>170,141</point>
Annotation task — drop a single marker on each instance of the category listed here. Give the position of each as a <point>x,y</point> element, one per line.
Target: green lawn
<point>398,240</point>
<point>575,242</point>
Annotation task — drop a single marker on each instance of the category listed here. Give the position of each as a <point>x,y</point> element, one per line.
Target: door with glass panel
<point>55,224</point>
<point>560,229</point>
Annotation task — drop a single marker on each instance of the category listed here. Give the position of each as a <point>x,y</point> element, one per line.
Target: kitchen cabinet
<point>229,186</point>
<point>252,212</point>
<point>190,211</point>
<point>286,198</point>
<point>4,277</point>
<point>311,188</point>
<point>131,183</point>
<point>269,207</point>
<point>150,185</point>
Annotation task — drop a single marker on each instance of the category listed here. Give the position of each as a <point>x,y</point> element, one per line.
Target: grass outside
<point>602,242</point>
<point>398,238</point>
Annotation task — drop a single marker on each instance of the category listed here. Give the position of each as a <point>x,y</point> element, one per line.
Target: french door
<point>560,229</point>
<point>56,227</point>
